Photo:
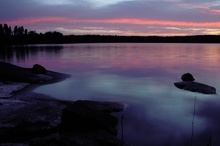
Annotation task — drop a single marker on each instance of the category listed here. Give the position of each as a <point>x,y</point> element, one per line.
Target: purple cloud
<point>202,12</point>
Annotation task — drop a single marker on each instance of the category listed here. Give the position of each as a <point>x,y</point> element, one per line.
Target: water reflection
<point>142,77</point>
<point>27,55</point>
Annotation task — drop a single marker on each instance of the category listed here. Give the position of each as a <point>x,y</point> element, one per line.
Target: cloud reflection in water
<point>158,112</point>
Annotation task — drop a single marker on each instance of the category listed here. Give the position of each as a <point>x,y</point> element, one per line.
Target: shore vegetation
<point>20,35</point>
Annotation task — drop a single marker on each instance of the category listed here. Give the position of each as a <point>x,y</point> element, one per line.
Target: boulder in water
<point>187,77</point>
<point>38,69</point>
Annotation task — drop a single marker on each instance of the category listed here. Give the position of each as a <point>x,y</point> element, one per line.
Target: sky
<point>114,17</point>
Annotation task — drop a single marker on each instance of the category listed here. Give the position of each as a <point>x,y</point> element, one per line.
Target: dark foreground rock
<point>85,123</point>
<point>98,138</point>
<point>91,123</point>
<point>90,116</point>
<point>26,116</point>
<point>35,120</point>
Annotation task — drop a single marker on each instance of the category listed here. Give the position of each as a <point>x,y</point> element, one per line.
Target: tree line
<point>20,35</point>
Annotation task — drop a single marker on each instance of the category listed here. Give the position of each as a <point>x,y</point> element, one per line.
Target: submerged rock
<point>195,87</point>
<point>187,77</point>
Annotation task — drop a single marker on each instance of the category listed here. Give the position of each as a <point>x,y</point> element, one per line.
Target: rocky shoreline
<point>29,118</point>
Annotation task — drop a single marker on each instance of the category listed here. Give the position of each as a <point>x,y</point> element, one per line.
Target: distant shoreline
<point>20,35</point>
<point>75,39</point>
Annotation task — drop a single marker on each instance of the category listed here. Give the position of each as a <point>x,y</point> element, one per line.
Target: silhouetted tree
<point>53,34</point>
<point>25,32</point>
<point>32,33</point>
<point>7,30</point>
<point>21,30</point>
<point>32,37</point>
<point>1,30</point>
<point>15,30</point>
<point>53,37</point>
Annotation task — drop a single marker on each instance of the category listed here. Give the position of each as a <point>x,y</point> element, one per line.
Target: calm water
<point>142,77</point>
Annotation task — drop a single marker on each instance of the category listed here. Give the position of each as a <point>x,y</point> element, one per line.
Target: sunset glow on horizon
<point>118,17</point>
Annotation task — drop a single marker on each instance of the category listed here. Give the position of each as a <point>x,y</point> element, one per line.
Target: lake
<point>141,76</point>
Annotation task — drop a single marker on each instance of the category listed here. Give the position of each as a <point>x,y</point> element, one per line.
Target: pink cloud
<point>29,21</point>
<point>206,8</point>
<point>117,26</point>
<point>215,11</point>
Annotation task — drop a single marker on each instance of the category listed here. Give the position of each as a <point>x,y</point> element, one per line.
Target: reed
<point>122,128</point>
<point>193,120</point>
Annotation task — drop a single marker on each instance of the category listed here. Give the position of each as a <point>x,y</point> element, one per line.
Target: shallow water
<point>141,76</point>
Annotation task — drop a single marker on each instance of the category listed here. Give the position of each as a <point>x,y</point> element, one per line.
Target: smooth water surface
<point>141,76</point>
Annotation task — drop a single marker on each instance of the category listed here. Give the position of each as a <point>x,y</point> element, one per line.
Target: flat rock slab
<point>7,89</point>
<point>21,120</point>
<point>13,73</point>
<point>195,87</point>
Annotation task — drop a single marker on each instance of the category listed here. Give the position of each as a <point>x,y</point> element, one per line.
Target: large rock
<point>187,77</point>
<point>87,116</point>
<point>38,69</point>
